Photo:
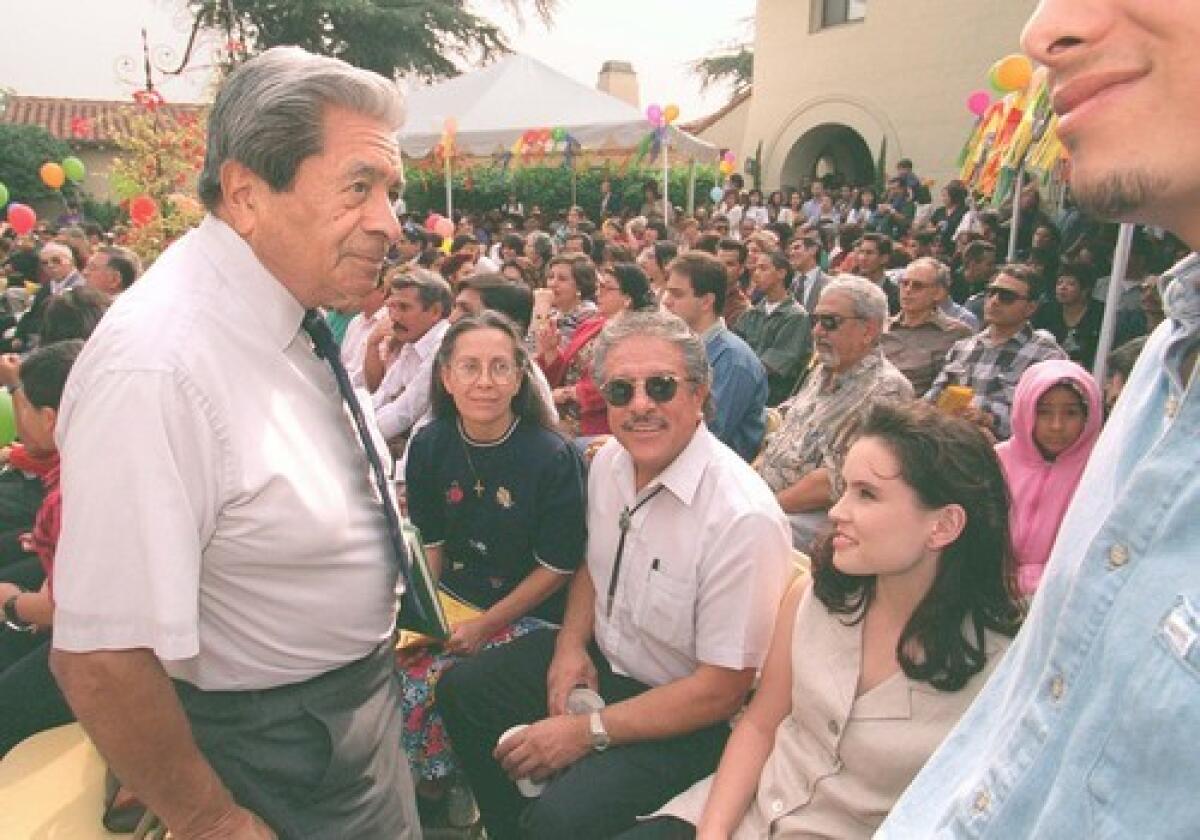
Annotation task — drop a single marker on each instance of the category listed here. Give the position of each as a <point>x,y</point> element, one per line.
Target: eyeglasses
<point>832,323</point>
<point>619,392</point>
<point>1005,296</point>
<point>500,371</point>
<point>915,285</point>
<point>52,261</point>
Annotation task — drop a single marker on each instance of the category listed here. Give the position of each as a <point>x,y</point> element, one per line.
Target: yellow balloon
<point>671,113</point>
<point>52,175</point>
<point>1013,73</point>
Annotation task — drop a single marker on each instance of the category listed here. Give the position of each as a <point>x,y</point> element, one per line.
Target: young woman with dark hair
<point>499,499</point>
<point>910,607</point>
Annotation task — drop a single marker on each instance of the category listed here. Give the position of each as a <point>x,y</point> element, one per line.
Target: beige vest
<point>840,762</point>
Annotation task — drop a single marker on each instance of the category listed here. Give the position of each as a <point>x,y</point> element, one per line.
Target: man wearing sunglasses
<point>802,461</point>
<point>991,362</point>
<point>58,273</point>
<point>1087,727</point>
<point>687,557</point>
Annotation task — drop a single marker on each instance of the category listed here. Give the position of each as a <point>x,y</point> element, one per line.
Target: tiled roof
<point>86,122</point>
<point>697,126</point>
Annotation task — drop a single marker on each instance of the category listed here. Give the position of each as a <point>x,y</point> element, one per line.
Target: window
<point>834,12</point>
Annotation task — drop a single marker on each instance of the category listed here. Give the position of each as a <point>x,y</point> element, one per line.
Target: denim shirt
<point>739,391</point>
<point>1088,727</point>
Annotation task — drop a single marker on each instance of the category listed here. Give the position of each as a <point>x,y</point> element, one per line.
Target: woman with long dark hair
<point>910,607</point>
<point>499,499</point>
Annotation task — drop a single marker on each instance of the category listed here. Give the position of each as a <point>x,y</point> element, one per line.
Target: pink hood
<point>1041,489</point>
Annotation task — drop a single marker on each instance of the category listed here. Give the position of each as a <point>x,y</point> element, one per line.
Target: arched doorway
<point>829,151</point>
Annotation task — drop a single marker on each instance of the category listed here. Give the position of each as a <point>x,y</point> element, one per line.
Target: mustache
<point>643,423</point>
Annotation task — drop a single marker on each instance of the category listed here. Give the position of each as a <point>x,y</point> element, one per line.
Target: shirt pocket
<point>667,610</point>
<point>1138,778</point>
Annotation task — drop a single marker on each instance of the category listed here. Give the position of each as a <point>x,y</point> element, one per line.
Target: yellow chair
<point>52,788</point>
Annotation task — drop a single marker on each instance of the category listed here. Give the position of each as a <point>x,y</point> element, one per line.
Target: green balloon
<point>74,169</point>
<point>8,424</point>
<point>3,194</point>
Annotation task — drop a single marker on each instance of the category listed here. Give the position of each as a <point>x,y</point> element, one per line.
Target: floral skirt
<point>424,735</point>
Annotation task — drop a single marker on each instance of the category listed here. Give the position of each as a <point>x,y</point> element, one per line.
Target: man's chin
<point>1118,195</point>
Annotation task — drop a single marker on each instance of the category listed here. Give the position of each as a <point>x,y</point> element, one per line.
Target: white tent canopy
<point>496,105</point>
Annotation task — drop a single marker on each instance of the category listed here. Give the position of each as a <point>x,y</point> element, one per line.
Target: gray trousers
<point>320,759</point>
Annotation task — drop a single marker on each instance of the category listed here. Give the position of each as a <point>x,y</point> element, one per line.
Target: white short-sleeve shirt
<point>217,506</point>
<point>704,567</point>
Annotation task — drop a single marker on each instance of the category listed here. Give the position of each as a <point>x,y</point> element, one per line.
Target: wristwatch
<point>600,739</point>
<point>14,622</point>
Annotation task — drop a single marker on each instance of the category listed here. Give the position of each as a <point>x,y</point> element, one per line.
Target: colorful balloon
<point>716,194</point>
<point>74,169</point>
<point>431,222</point>
<point>726,167</point>
<point>52,175</point>
<point>654,114</point>
<point>1013,72</point>
<point>142,209</point>
<point>671,113</point>
<point>728,157</point>
<point>450,126</point>
<point>8,422</point>
<point>3,194</point>
<point>444,228</point>
<point>559,135</point>
<point>978,102</point>
<point>21,218</point>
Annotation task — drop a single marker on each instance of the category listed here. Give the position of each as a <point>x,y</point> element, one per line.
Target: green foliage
<point>103,213</point>
<point>23,150</point>
<point>387,36</point>
<point>546,187</point>
<point>734,67</point>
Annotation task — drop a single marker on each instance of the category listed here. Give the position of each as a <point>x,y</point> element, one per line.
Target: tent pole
<point>691,205</point>
<point>1015,230</point>
<point>1112,301</point>
<point>449,190</point>
<point>574,184</point>
<point>666,178</point>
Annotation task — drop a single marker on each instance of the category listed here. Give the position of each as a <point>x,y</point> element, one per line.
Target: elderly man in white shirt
<point>225,582</point>
<point>418,307</point>
<point>688,556</point>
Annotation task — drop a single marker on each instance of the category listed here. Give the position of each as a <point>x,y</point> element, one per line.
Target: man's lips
<point>1071,96</point>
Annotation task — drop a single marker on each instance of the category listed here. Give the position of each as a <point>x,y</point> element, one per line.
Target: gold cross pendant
<point>479,488</point>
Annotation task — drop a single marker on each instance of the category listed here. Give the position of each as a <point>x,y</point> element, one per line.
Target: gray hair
<point>661,325</point>
<point>269,114</point>
<point>869,301</point>
<point>431,288</point>
<point>941,272</point>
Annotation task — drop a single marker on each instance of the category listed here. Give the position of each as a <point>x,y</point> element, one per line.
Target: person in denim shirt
<point>1087,728</point>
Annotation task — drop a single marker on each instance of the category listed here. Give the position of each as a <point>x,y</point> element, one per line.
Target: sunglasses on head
<point>620,392</point>
<point>831,322</point>
<point>1006,296</point>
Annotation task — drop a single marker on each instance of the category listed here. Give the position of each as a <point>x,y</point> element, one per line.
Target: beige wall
<point>727,132</point>
<point>903,73</point>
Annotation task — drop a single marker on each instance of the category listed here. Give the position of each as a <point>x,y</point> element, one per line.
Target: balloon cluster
<point>445,147</point>
<point>660,117</point>
<point>443,227</point>
<point>21,217</point>
<point>542,140</point>
<point>727,161</point>
<point>1010,74</point>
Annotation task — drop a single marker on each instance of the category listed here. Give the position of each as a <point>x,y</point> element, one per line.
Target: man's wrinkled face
<point>100,276</point>
<point>56,262</point>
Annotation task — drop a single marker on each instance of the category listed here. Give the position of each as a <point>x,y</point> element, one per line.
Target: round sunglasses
<point>619,392</point>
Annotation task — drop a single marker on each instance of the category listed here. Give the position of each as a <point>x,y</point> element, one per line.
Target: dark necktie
<point>326,347</point>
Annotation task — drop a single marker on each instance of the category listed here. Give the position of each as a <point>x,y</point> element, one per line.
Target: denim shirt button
<point>983,801</point>
<point>1057,687</point>
<point>1118,556</point>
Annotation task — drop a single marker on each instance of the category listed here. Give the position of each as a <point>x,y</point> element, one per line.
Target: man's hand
<point>10,369</point>
<point>548,339</point>
<point>544,748</point>
<point>236,824</point>
<point>570,668</point>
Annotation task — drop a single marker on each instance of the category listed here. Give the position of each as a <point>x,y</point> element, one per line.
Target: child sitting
<point>1056,419</point>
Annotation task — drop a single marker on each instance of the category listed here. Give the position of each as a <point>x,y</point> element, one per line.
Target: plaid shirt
<point>993,370</point>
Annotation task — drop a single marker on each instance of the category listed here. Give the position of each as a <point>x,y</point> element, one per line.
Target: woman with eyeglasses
<point>620,288</point>
<point>909,610</point>
<point>499,499</point>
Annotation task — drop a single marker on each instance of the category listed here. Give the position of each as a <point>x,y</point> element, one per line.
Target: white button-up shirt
<point>705,562</point>
<point>217,505</point>
<point>402,400</point>
<point>354,343</point>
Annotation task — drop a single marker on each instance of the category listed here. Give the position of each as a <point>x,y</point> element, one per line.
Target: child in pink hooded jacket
<point>1056,419</point>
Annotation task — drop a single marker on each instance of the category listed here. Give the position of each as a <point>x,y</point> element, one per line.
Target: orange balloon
<point>53,175</point>
<point>1013,72</point>
<point>671,113</point>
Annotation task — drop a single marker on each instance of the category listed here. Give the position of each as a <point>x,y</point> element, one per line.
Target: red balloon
<point>142,209</point>
<point>431,222</point>
<point>21,217</point>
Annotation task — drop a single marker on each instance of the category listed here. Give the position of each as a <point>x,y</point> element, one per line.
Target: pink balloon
<point>444,228</point>
<point>728,157</point>
<point>21,217</point>
<point>978,102</point>
<point>431,222</point>
<point>655,114</point>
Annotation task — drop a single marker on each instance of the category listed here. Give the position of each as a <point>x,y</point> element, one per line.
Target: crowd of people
<point>736,513</point>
